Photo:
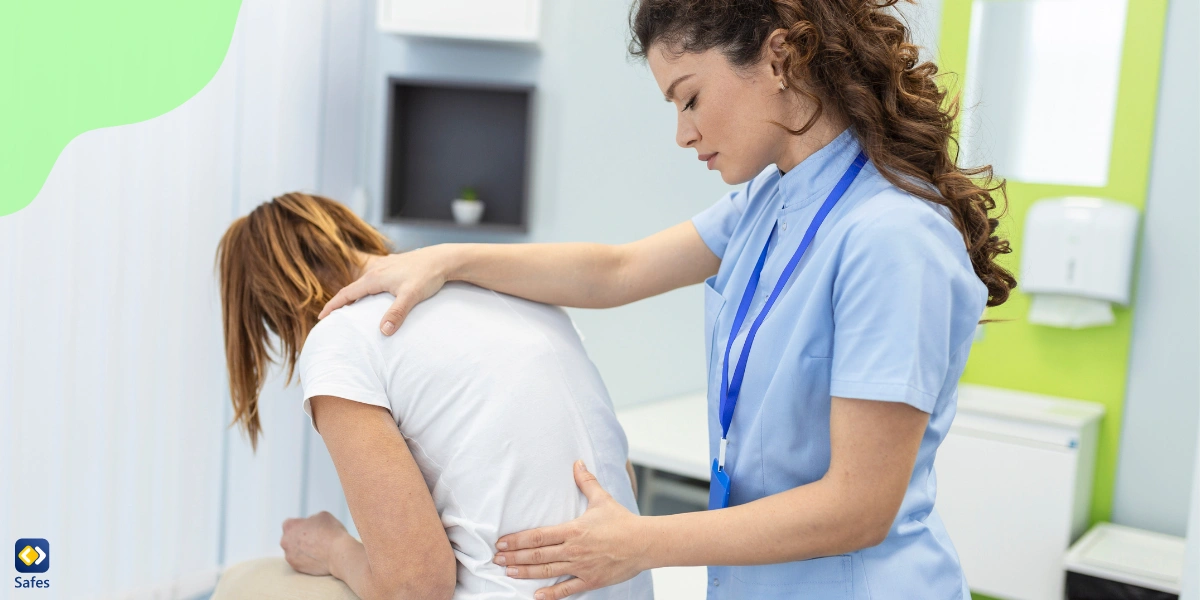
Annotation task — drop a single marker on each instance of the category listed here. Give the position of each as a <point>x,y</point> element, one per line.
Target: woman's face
<point>726,111</point>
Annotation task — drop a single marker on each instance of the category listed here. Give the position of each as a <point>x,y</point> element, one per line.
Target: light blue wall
<point>1163,397</point>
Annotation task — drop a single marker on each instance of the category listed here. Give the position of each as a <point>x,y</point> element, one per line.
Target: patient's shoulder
<point>359,317</point>
<point>341,357</point>
<point>352,326</point>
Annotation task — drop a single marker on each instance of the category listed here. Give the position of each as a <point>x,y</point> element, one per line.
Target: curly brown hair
<point>857,55</point>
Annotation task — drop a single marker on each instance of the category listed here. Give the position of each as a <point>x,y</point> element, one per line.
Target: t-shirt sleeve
<point>893,310</point>
<point>338,361</point>
<point>716,223</point>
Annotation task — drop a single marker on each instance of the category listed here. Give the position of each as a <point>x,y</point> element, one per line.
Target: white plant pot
<point>466,212</point>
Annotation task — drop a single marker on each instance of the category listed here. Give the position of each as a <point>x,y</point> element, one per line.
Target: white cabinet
<point>485,20</point>
<point>1014,479</point>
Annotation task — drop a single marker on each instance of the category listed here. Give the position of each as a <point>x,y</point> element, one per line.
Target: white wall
<point>111,355</point>
<point>1162,401</point>
<point>112,374</point>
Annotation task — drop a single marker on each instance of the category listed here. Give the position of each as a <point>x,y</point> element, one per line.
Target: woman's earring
<point>782,85</point>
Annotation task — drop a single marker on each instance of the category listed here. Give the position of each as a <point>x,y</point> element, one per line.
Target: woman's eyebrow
<point>671,90</point>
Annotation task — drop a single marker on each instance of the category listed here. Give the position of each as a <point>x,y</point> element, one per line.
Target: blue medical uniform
<point>883,307</point>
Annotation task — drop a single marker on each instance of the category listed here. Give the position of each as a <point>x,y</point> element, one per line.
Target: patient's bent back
<point>496,398</point>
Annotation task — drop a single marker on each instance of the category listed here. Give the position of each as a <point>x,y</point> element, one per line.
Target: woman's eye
<point>690,103</point>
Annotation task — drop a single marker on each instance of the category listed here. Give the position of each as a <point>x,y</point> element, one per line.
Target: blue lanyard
<point>730,390</point>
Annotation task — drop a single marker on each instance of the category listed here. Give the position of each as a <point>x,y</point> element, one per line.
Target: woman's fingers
<point>546,571</point>
<point>535,556</point>
<point>533,538</point>
<point>562,590</point>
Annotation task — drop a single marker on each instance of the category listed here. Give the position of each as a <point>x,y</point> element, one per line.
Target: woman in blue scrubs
<point>843,284</point>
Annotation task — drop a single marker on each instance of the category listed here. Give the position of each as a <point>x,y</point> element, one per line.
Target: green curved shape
<point>72,66</point>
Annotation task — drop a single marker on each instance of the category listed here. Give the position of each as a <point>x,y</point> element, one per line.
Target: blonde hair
<point>278,266</point>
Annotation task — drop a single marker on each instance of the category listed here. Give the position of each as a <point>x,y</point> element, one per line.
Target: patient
<point>460,428</point>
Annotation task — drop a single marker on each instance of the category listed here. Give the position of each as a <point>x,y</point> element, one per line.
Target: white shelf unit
<point>1145,559</point>
<point>508,21</point>
<point>1014,487</point>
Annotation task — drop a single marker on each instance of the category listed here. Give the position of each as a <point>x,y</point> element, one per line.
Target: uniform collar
<point>818,173</point>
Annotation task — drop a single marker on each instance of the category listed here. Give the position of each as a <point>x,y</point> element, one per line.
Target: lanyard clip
<point>721,456</point>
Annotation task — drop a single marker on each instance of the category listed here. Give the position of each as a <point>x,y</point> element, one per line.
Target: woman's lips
<point>708,158</point>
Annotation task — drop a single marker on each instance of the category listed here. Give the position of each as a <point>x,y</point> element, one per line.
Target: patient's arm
<point>404,551</point>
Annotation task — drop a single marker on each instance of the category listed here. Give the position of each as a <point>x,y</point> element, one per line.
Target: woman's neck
<point>799,147</point>
<point>365,261</point>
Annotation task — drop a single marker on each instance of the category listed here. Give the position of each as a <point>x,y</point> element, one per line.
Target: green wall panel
<point>1088,364</point>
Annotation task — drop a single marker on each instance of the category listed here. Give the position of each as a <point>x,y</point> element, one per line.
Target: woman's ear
<point>775,53</point>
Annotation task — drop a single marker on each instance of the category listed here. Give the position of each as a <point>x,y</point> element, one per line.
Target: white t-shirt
<point>496,398</point>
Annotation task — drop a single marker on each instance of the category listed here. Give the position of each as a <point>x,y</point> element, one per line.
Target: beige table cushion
<point>274,579</point>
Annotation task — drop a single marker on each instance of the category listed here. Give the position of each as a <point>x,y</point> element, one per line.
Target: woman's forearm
<point>581,275</point>
<point>806,522</point>
<point>348,562</point>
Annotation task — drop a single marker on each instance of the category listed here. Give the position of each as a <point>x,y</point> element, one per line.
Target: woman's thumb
<point>395,315</point>
<point>587,484</point>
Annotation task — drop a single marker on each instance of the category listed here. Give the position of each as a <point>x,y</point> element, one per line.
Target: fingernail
<point>388,328</point>
<point>502,545</point>
<point>539,596</point>
<point>511,571</point>
<point>500,560</point>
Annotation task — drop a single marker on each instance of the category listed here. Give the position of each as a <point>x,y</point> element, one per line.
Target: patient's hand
<point>307,543</point>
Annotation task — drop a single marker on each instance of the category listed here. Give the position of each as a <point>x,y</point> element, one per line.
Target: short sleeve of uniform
<point>894,307</point>
<point>337,360</point>
<point>716,223</point>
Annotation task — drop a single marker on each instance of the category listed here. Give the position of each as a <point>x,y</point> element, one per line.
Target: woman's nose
<point>686,133</point>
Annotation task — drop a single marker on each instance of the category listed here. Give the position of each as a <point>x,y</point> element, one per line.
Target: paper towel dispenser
<point>1077,257</point>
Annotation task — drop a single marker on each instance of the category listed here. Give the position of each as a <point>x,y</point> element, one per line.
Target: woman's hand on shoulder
<point>410,276</point>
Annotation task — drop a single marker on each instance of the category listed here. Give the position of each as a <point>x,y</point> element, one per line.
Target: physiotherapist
<point>843,284</point>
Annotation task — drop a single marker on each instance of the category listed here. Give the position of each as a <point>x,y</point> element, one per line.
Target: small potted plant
<point>467,208</point>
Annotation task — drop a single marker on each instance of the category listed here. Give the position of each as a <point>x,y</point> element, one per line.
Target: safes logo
<point>33,555</point>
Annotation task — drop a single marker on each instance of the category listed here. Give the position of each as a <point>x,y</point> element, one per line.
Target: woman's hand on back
<point>410,276</point>
<point>603,547</point>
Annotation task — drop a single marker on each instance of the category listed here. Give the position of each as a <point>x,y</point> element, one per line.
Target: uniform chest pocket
<point>713,303</point>
<point>829,577</point>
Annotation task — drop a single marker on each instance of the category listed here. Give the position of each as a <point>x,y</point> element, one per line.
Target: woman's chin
<point>735,176</point>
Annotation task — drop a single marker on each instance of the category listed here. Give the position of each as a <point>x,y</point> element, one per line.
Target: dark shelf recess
<point>444,136</point>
